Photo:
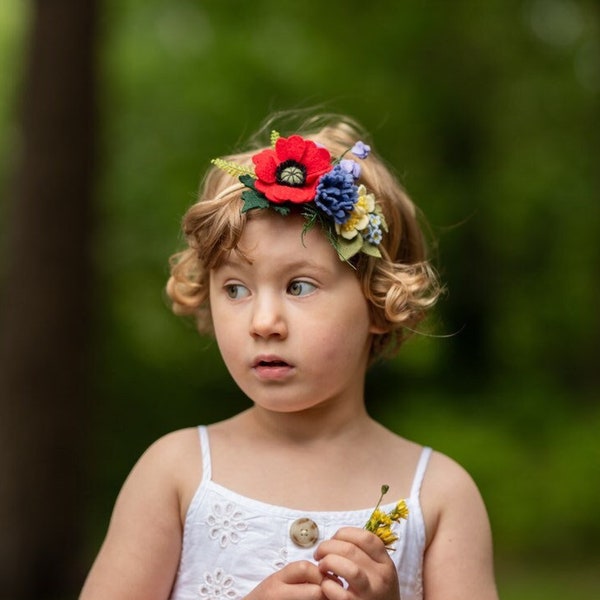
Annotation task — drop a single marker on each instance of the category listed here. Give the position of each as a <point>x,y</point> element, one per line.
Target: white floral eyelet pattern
<point>218,585</point>
<point>282,559</point>
<point>226,524</point>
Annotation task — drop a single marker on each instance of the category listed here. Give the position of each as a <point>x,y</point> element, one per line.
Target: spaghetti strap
<point>205,449</point>
<point>420,472</point>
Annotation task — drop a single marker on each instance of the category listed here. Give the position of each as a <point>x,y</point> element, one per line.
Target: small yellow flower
<point>359,217</point>
<point>366,201</point>
<point>400,511</point>
<point>377,519</point>
<point>386,535</point>
<point>380,523</point>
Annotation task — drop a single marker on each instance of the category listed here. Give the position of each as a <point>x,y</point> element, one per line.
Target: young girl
<point>306,262</point>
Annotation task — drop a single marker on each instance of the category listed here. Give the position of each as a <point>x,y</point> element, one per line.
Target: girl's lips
<point>272,368</point>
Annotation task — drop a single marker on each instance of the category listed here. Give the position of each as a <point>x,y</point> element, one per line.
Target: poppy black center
<point>291,173</point>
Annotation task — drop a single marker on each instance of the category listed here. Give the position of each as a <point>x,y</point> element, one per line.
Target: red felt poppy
<point>290,172</point>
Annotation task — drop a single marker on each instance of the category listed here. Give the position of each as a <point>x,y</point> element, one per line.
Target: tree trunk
<point>46,308</point>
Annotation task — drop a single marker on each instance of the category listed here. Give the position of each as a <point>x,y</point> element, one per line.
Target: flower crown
<point>297,171</point>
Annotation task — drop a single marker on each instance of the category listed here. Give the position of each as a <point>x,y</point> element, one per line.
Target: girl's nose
<point>268,319</point>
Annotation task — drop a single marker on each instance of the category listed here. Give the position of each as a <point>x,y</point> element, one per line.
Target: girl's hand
<point>299,580</point>
<point>360,558</point>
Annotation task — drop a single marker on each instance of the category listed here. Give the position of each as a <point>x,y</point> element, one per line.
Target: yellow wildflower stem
<point>374,519</point>
<point>380,523</point>
<point>370,524</point>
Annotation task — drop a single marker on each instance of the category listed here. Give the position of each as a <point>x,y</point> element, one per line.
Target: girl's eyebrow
<point>300,264</point>
<point>293,265</point>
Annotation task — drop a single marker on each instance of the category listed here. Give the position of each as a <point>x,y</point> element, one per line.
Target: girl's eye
<point>300,288</point>
<point>235,291</point>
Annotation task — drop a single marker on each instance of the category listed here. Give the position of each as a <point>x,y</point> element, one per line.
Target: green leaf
<point>248,181</point>
<point>282,209</point>
<point>348,248</point>
<point>253,199</point>
<point>310,218</point>
<point>370,249</point>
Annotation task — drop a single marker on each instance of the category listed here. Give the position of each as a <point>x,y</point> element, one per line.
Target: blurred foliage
<point>490,114</point>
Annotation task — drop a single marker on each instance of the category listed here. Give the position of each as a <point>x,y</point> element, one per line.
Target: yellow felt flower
<point>359,217</point>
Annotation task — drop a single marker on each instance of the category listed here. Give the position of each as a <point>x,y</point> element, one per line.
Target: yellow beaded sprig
<point>380,523</point>
<point>274,137</point>
<point>232,168</point>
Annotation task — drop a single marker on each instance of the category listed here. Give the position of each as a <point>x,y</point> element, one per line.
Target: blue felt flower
<point>374,235</point>
<point>361,149</point>
<point>350,166</point>
<point>337,194</point>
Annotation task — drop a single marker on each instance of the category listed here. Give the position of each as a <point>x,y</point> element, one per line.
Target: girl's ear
<point>376,326</point>
<point>378,329</point>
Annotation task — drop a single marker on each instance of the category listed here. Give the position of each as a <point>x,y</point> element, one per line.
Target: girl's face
<point>292,325</point>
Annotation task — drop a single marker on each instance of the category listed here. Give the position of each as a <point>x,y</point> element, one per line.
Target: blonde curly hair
<point>400,287</point>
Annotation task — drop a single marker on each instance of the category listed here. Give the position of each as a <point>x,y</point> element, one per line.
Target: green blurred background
<point>490,114</point>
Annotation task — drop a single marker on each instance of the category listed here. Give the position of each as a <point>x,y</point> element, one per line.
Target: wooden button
<point>304,532</point>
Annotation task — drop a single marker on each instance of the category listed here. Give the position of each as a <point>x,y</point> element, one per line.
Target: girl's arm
<point>458,562</point>
<point>140,554</point>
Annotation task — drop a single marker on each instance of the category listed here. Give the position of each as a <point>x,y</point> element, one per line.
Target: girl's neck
<point>267,456</point>
<point>313,426</point>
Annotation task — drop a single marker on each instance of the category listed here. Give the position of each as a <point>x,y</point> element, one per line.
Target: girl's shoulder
<point>139,555</point>
<point>442,476</point>
<point>180,447</point>
<point>170,444</point>
<point>450,498</point>
<point>175,460</point>
<point>446,479</point>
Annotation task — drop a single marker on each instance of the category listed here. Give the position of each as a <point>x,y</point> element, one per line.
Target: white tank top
<point>231,543</point>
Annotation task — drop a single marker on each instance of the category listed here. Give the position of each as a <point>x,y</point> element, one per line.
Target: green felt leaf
<point>248,181</point>
<point>348,248</point>
<point>252,199</point>
<point>371,250</point>
<point>282,209</point>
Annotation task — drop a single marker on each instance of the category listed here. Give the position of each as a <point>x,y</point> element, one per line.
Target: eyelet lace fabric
<point>231,543</point>
<point>226,524</point>
<point>218,585</point>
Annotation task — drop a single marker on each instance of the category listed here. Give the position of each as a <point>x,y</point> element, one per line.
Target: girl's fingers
<point>361,561</point>
<point>333,591</point>
<point>301,572</point>
<point>296,581</point>
<point>352,542</point>
<point>355,575</point>
<point>332,577</point>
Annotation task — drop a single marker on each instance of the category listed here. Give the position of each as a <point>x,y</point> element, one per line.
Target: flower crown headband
<point>297,171</point>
